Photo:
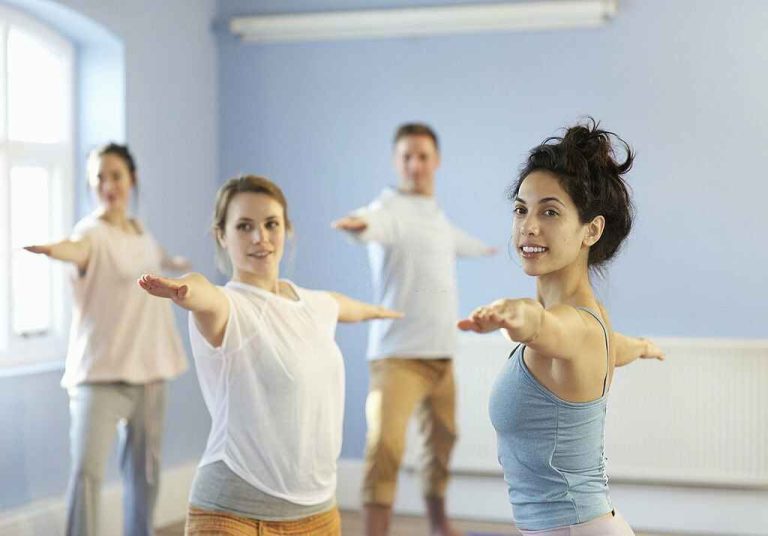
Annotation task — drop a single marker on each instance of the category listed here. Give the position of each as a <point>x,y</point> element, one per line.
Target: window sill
<point>28,367</point>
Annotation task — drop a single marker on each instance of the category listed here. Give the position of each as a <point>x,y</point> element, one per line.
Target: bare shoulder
<point>584,332</point>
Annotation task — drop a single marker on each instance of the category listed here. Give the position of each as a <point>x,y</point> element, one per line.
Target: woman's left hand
<point>651,351</point>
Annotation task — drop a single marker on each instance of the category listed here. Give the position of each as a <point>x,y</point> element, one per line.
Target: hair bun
<point>592,149</point>
<point>584,161</point>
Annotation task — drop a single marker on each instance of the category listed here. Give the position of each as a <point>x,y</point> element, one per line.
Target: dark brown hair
<point>585,163</point>
<point>415,129</point>
<point>118,150</point>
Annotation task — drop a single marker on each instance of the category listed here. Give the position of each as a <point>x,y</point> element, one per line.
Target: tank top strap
<point>514,350</point>
<point>607,347</point>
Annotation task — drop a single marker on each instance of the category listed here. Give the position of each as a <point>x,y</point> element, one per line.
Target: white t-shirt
<point>275,392</point>
<point>412,249</point>
<point>119,332</point>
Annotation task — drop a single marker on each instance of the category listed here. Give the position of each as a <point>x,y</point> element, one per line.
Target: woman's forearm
<point>201,296</point>
<point>73,251</point>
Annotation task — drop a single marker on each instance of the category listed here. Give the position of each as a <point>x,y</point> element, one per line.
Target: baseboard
<point>711,512</point>
<point>48,516</point>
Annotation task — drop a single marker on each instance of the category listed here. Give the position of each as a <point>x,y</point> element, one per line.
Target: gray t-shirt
<point>216,487</point>
<point>412,249</point>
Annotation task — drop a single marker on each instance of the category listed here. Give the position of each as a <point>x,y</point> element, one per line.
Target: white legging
<point>96,410</point>
<point>611,525</point>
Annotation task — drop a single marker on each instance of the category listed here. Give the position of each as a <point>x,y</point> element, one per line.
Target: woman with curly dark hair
<point>572,211</point>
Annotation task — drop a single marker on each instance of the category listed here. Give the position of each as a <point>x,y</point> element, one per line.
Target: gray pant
<point>96,409</point>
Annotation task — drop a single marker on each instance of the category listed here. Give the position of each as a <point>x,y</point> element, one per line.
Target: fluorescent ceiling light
<point>424,21</point>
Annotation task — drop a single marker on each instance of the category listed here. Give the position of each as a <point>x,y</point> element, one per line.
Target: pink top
<point>119,333</point>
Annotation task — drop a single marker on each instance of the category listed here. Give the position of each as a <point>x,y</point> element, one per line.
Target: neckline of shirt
<point>428,201</point>
<point>268,294</point>
<point>109,226</point>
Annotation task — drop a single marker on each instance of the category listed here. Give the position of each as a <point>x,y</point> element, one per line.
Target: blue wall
<point>684,82</point>
<point>168,115</point>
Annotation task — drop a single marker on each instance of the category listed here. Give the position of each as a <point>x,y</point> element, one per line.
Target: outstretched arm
<point>193,292</point>
<point>469,246</point>
<point>628,349</point>
<point>350,224</point>
<point>553,332</point>
<point>356,311</point>
<point>77,252</point>
<point>372,224</point>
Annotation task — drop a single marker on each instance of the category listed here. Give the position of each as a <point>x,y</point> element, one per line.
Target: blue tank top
<point>551,450</point>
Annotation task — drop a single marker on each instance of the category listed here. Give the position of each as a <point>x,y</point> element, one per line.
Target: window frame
<point>59,160</point>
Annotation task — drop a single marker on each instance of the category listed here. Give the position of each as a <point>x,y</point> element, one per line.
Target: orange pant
<point>209,523</point>
<point>398,386</point>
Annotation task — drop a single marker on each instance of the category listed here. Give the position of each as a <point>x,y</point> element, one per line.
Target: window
<point>36,185</point>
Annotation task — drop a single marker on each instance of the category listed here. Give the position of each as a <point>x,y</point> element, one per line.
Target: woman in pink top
<point>112,375</point>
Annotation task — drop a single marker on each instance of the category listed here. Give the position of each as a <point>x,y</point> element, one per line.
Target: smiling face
<point>112,181</point>
<point>254,237</point>
<point>547,231</point>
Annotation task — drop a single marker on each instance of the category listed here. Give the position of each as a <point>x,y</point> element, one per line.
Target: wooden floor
<point>352,525</point>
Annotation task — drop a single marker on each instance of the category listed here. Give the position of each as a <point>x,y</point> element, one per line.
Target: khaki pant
<point>98,411</point>
<point>398,386</point>
<point>209,523</point>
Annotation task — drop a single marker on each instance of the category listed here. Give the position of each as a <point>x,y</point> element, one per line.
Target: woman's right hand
<point>193,292</point>
<point>41,249</point>
<point>164,287</point>
<point>77,251</point>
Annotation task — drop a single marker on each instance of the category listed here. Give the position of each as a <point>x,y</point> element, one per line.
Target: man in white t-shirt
<point>412,251</point>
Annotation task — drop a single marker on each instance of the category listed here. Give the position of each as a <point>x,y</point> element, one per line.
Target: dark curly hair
<point>585,163</point>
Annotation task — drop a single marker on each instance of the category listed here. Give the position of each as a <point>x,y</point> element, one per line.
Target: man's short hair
<point>415,129</point>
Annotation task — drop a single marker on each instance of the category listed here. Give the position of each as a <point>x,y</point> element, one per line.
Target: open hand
<point>163,287</point>
<point>351,224</point>
<point>501,314</point>
<point>43,250</point>
<point>652,351</point>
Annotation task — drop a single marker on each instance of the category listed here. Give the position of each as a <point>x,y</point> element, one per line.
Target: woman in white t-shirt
<point>112,375</point>
<point>271,375</point>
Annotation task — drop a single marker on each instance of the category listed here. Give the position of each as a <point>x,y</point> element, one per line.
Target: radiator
<point>698,418</point>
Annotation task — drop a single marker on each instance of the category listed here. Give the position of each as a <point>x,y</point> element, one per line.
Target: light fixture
<point>424,21</point>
